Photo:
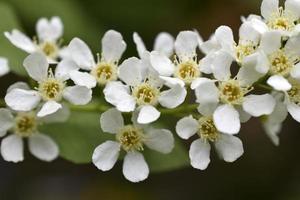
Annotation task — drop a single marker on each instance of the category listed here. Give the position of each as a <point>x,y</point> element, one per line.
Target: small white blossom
<point>51,88</point>
<point>132,139</point>
<point>4,68</point>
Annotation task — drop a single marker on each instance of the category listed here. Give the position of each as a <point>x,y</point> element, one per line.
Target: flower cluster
<point>212,99</point>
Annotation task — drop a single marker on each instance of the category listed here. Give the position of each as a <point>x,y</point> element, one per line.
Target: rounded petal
<point>6,120</point>
<point>270,41</point>
<point>171,82</point>
<point>272,130</point>
<point>164,43</point>
<point>62,115</point>
<point>269,8</point>
<point>293,7</point>
<point>221,65</point>
<point>21,41</point>
<point>140,46</point>
<point>279,83</point>
<point>229,147</point>
<point>106,155</point>
<point>12,148</point>
<point>4,68</point>
<point>173,97</point>
<point>292,47</point>
<point>148,114</point>
<point>227,119</point>
<point>224,36</point>
<point>135,168</point>
<point>43,147</point>
<point>36,66</point>
<point>78,95</point>
<point>131,71</point>
<point>20,85</point>
<point>49,30</point>
<point>244,116</point>
<point>258,105</point>
<point>113,46</point>
<point>161,63</point>
<point>206,91</point>
<point>186,43</point>
<point>111,121</point>
<point>199,154</point>
<point>295,73</point>
<point>22,100</point>
<point>64,68</point>
<point>48,108</point>
<point>187,127</point>
<point>81,54</point>
<point>83,79</point>
<point>160,140</point>
<point>294,111</point>
<point>207,109</point>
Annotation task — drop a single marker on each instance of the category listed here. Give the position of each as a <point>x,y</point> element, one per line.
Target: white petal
<point>292,47</point>
<point>36,66</point>
<point>279,114</point>
<point>269,8</point>
<point>106,155</point>
<point>22,100</point>
<point>12,148</point>
<point>21,41</point>
<point>160,140</point>
<point>83,79</point>
<point>130,71</point>
<point>199,154</point>
<point>81,54</point>
<point>64,68</point>
<point>6,120</point>
<point>294,111</point>
<point>270,41</point>
<point>20,85</point>
<point>173,97</point>
<point>229,147</point>
<point>164,43</point>
<point>111,121</point>
<point>161,63</point>
<point>225,38</point>
<point>135,168</point>
<point>293,7</point>
<point>207,109</point>
<point>227,119</point>
<point>279,83</point>
<point>140,46</point>
<point>221,65</point>
<point>272,130</point>
<point>119,95</point>
<point>4,68</point>
<point>49,30</point>
<point>48,108</point>
<point>171,82</point>
<point>244,116</point>
<point>295,73</point>
<point>113,46</point>
<point>62,115</point>
<point>78,95</point>
<point>43,147</point>
<point>258,105</point>
<point>186,43</point>
<point>247,32</point>
<point>187,127</point>
<point>148,114</point>
<point>205,64</point>
<point>210,46</point>
<point>206,91</point>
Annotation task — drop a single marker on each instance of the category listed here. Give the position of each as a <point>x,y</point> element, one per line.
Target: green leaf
<point>14,55</point>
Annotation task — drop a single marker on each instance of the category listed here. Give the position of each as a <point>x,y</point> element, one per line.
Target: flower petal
<point>227,119</point>
<point>21,41</point>
<point>270,41</point>
<point>64,68</point>
<point>78,95</point>
<point>294,111</point>
<point>206,91</point>
<point>187,127</point>
<point>279,83</point>
<point>258,105</point>
<point>48,108</point>
<point>36,66</point>
<point>135,168</point>
<point>186,43</point>
<point>106,155</point>
<point>113,46</point>
<point>62,115</point>
<point>164,43</point>
<point>20,85</point>
<point>131,71</point>
<point>173,97</point>
<point>229,147</point>
<point>22,100</point>
<point>111,121</point>
<point>12,148</point>
<point>221,65</point>
<point>83,79</point>
<point>293,7</point>
<point>49,30</point>
<point>292,47</point>
<point>140,46</point>
<point>4,68</point>
<point>295,73</point>
<point>200,154</point>
<point>43,147</point>
<point>6,120</point>
<point>160,140</point>
<point>148,114</point>
<point>269,8</point>
<point>161,63</point>
<point>225,38</point>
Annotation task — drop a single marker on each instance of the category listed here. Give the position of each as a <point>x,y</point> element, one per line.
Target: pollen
<point>50,49</point>
<point>207,129</point>
<point>25,124</point>
<point>105,72</point>
<point>131,138</point>
<point>281,21</point>
<point>294,92</point>
<point>146,94</point>
<point>281,63</point>
<point>51,88</point>
<point>187,71</point>
<point>245,49</point>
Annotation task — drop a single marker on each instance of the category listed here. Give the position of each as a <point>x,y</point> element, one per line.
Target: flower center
<point>51,89</point>
<point>281,21</point>
<point>294,92</point>
<point>131,138</point>
<point>146,94</point>
<point>105,72</point>
<point>25,124</point>
<point>280,63</point>
<point>188,71</point>
<point>207,129</point>
<point>50,49</point>
<point>232,93</point>
<point>245,49</point>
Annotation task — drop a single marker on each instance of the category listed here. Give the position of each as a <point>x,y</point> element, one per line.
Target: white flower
<point>51,88</point>
<point>229,100</point>
<point>132,139</point>
<point>105,69</point>
<point>24,125</point>
<point>228,147</point>
<point>143,90</point>
<point>48,34</point>
<point>4,68</point>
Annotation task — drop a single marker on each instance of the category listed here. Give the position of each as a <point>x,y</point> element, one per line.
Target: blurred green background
<point>264,172</point>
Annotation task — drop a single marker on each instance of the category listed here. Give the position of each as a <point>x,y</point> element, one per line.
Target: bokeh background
<point>264,172</point>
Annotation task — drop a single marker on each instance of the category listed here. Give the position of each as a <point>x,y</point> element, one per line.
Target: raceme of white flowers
<point>174,77</point>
